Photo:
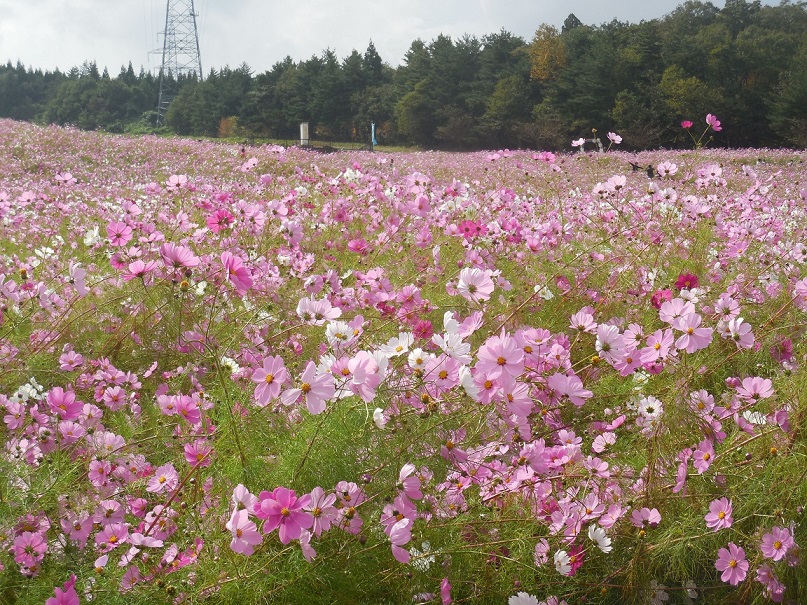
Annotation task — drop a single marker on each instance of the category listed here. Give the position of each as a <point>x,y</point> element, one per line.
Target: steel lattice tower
<point>181,55</point>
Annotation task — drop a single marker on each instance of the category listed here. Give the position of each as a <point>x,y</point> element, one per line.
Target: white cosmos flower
<point>597,535</point>
<point>563,563</point>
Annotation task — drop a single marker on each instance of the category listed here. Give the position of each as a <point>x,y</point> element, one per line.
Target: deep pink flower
<point>66,595</point>
<point>445,592</point>
<point>282,509</point>
<point>686,124</point>
<point>686,281</point>
<point>220,219</point>
<point>64,403</point>
<point>731,561</point>
<point>719,515</point>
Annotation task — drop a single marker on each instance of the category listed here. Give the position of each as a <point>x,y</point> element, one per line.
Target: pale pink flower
<point>475,285</point>
<point>245,533</point>
<point>315,389</point>
<point>270,379</point>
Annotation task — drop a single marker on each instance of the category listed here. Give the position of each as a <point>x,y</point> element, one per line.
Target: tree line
<point>746,63</point>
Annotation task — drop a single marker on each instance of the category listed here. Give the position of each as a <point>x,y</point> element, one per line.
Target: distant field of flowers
<point>275,376</point>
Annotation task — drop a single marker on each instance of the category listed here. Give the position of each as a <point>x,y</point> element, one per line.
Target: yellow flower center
<point>269,379</point>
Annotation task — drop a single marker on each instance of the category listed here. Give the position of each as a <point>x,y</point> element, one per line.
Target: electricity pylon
<point>181,55</point>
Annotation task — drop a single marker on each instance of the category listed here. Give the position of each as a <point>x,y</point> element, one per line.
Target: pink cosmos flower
<point>112,536</point>
<point>704,456</point>
<point>315,388</point>
<point>475,285</point>
<point>731,561</point>
<point>176,182</point>
<point>686,124</point>
<point>686,281</point>
<point>609,343</point>
<point>165,477</point>
<point>64,403</point>
<point>755,388</point>
<point>740,332</point>
<point>694,338</point>
<point>445,592</point>
<point>245,533</point>
<point>66,595</point>
<point>400,534</point>
<point>322,509</point>
<point>614,138</point>
<point>29,548</point>
<point>236,273</point>
<point>139,269</point>
<point>713,122</point>
<point>719,515</point>
<point>569,386</point>
<point>119,234</point>
<point>501,358</point>
<point>282,509</point>
<point>409,482</point>
<point>270,378</point>
<point>776,543</point>
<point>178,257</point>
<point>644,517</point>
<point>220,219</point>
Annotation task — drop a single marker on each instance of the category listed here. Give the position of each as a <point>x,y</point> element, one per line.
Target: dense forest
<point>746,63</point>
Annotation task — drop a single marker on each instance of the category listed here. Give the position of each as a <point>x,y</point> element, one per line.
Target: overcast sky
<point>48,34</point>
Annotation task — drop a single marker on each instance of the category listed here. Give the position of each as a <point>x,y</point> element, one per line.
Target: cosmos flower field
<point>512,377</point>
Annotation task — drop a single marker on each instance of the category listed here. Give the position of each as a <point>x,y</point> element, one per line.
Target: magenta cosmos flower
<point>731,561</point>
<point>315,388</point>
<point>66,595</point>
<point>719,515</point>
<point>282,509</point>
<point>270,379</point>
